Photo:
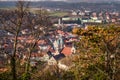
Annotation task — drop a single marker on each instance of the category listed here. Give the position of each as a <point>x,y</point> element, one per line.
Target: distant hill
<point>67,5</point>
<point>5,4</point>
<point>93,1</point>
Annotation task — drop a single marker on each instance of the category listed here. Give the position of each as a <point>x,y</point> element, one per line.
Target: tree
<point>14,22</point>
<point>99,49</point>
<point>38,28</point>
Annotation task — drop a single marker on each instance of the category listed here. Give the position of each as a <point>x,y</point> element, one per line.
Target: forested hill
<point>66,5</point>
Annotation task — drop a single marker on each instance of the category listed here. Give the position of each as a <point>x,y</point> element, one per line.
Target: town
<point>46,39</point>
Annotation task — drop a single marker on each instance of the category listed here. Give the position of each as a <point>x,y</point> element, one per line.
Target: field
<point>58,13</point>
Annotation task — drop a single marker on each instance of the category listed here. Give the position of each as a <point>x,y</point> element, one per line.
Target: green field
<point>59,14</point>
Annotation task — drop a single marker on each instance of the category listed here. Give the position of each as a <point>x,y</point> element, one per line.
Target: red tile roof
<point>3,69</point>
<point>67,51</point>
<point>5,45</point>
<point>41,42</point>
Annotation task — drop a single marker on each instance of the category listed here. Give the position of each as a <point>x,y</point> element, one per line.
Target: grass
<point>58,13</point>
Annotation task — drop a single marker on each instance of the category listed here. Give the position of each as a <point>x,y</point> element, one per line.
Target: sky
<point>64,0</point>
<point>33,0</point>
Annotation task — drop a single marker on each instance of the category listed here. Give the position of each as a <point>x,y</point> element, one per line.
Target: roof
<point>66,51</point>
<point>59,56</point>
<point>41,42</point>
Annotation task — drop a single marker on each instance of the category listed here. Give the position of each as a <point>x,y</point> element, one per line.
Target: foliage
<point>5,76</point>
<point>69,75</point>
<point>75,30</point>
<point>16,21</point>
<point>25,76</point>
<point>96,47</point>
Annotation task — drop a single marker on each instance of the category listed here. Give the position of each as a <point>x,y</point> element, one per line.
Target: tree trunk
<point>28,63</point>
<point>13,60</point>
<point>13,68</point>
<point>30,52</point>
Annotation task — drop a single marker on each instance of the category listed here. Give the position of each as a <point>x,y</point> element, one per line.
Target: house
<point>74,13</point>
<point>67,51</point>
<point>81,13</point>
<point>3,69</point>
